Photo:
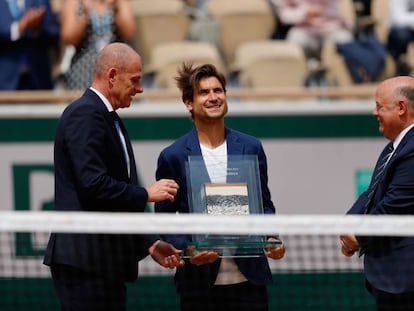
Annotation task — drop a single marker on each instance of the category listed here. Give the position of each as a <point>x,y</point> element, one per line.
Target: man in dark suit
<point>389,261</point>
<point>95,171</point>
<point>209,282</point>
<point>29,34</point>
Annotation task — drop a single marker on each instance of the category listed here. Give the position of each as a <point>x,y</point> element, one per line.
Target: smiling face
<point>394,105</point>
<point>386,114</point>
<point>390,110</point>
<point>209,100</point>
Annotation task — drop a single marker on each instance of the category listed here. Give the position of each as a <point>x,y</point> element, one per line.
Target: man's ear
<point>188,104</point>
<point>112,75</point>
<point>402,107</point>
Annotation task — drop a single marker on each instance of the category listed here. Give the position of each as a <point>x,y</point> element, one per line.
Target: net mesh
<point>313,275</point>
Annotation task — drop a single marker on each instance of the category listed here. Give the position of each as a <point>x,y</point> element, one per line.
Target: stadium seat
<point>347,11</point>
<point>241,21</point>
<point>379,16</point>
<point>159,21</point>
<point>270,63</point>
<point>167,57</point>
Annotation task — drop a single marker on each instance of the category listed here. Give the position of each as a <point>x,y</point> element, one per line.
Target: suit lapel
<point>384,181</point>
<point>193,149</point>
<point>133,178</point>
<point>234,147</point>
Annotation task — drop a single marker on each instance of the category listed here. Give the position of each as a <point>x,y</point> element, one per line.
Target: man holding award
<point>219,171</point>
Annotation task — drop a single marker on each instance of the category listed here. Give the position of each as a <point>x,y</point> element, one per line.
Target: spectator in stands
<point>88,26</point>
<point>401,33</point>
<point>29,32</point>
<point>311,23</point>
<point>363,7</point>
<point>209,283</point>
<point>388,261</point>
<point>95,171</point>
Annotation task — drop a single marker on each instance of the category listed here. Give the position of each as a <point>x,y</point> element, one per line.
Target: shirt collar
<point>401,136</point>
<point>103,98</point>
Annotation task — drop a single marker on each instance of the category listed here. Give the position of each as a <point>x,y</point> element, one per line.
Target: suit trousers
<point>235,297</point>
<point>82,290</point>
<point>391,302</point>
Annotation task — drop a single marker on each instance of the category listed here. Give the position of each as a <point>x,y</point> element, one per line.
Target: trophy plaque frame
<point>240,194</point>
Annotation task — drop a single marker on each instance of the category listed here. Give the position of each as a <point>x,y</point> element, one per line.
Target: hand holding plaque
<point>275,250</point>
<point>200,258</point>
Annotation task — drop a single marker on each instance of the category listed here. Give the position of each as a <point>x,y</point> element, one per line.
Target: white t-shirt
<point>216,163</point>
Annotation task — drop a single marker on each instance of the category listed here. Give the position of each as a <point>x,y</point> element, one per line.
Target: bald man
<point>95,171</point>
<point>389,261</point>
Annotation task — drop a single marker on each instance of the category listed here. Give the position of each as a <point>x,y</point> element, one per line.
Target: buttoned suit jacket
<point>36,49</point>
<point>171,164</point>
<point>388,261</point>
<point>91,175</point>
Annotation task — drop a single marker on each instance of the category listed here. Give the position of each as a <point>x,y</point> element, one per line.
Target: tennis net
<point>314,275</point>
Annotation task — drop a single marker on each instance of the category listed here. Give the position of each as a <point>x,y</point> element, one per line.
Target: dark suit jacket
<point>171,164</point>
<point>35,49</point>
<point>91,175</point>
<point>389,261</point>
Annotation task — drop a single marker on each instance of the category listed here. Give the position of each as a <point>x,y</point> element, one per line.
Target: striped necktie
<point>376,176</point>
<point>379,171</point>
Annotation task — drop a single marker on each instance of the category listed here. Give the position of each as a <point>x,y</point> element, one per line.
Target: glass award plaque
<point>236,191</point>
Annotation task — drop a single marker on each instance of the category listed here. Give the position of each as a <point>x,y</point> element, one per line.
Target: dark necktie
<point>379,171</point>
<point>117,122</point>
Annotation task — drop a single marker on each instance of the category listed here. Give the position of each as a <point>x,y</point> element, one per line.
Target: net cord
<point>150,223</point>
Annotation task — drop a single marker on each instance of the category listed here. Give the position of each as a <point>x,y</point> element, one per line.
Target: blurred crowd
<point>52,44</point>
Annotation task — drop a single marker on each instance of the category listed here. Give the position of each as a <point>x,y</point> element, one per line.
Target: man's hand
<point>200,258</point>
<point>32,19</point>
<point>275,251</point>
<point>163,189</point>
<point>166,255</point>
<point>349,245</point>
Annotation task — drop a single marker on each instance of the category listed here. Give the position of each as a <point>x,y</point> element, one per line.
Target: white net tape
<point>311,240</point>
<point>313,274</point>
<point>147,223</point>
